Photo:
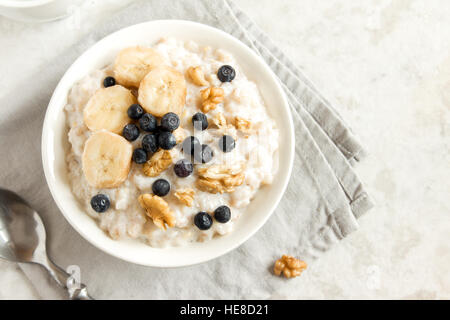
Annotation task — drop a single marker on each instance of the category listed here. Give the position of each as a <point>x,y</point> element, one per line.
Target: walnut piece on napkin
<point>289,266</point>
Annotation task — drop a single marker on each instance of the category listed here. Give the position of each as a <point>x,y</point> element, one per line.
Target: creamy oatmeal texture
<point>233,108</point>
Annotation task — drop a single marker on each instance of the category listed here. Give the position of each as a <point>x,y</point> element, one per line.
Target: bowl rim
<point>47,125</point>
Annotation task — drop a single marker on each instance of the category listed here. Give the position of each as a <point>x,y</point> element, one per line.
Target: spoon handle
<point>75,289</point>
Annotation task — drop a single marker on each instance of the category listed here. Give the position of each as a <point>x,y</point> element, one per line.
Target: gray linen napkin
<point>320,206</point>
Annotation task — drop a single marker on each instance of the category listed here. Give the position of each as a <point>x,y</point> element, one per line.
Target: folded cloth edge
<point>321,109</point>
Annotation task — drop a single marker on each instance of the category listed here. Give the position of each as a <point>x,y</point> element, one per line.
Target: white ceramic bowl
<point>36,10</point>
<point>55,144</point>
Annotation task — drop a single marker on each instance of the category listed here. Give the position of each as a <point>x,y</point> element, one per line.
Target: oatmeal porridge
<point>169,143</point>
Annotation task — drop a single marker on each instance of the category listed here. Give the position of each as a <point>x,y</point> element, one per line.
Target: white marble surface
<point>386,64</point>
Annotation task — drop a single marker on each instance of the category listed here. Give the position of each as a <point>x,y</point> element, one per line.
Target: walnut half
<point>220,121</point>
<point>242,124</point>
<point>223,126</point>
<point>186,196</point>
<point>197,76</point>
<point>289,266</point>
<point>211,97</point>
<point>220,178</point>
<point>159,162</point>
<point>158,210</point>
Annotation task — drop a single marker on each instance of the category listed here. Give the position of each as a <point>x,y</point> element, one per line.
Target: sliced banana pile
<point>107,156</point>
<point>115,120</point>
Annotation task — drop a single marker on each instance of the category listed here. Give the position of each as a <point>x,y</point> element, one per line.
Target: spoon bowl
<point>22,232</point>
<point>22,239</point>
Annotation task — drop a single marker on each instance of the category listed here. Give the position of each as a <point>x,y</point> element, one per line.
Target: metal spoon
<point>22,239</point>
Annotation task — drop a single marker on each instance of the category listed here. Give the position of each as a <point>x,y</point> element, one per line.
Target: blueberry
<point>150,143</point>
<point>226,73</point>
<point>200,121</point>
<point>183,168</point>
<point>203,220</point>
<point>227,143</point>
<point>140,156</point>
<point>100,202</point>
<point>190,144</point>
<point>161,187</point>
<point>147,122</point>
<point>222,214</point>
<point>166,140</point>
<point>135,111</point>
<point>130,132</point>
<point>158,131</point>
<point>170,121</point>
<point>109,82</point>
<point>204,155</point>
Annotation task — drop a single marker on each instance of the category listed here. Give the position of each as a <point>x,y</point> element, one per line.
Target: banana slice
<point>107,109</point>
<point>106,159</point>
<point>132,64</point>
<point>163,90</point>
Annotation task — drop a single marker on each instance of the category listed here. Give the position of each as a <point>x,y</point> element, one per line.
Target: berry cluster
<point>161,136</point>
